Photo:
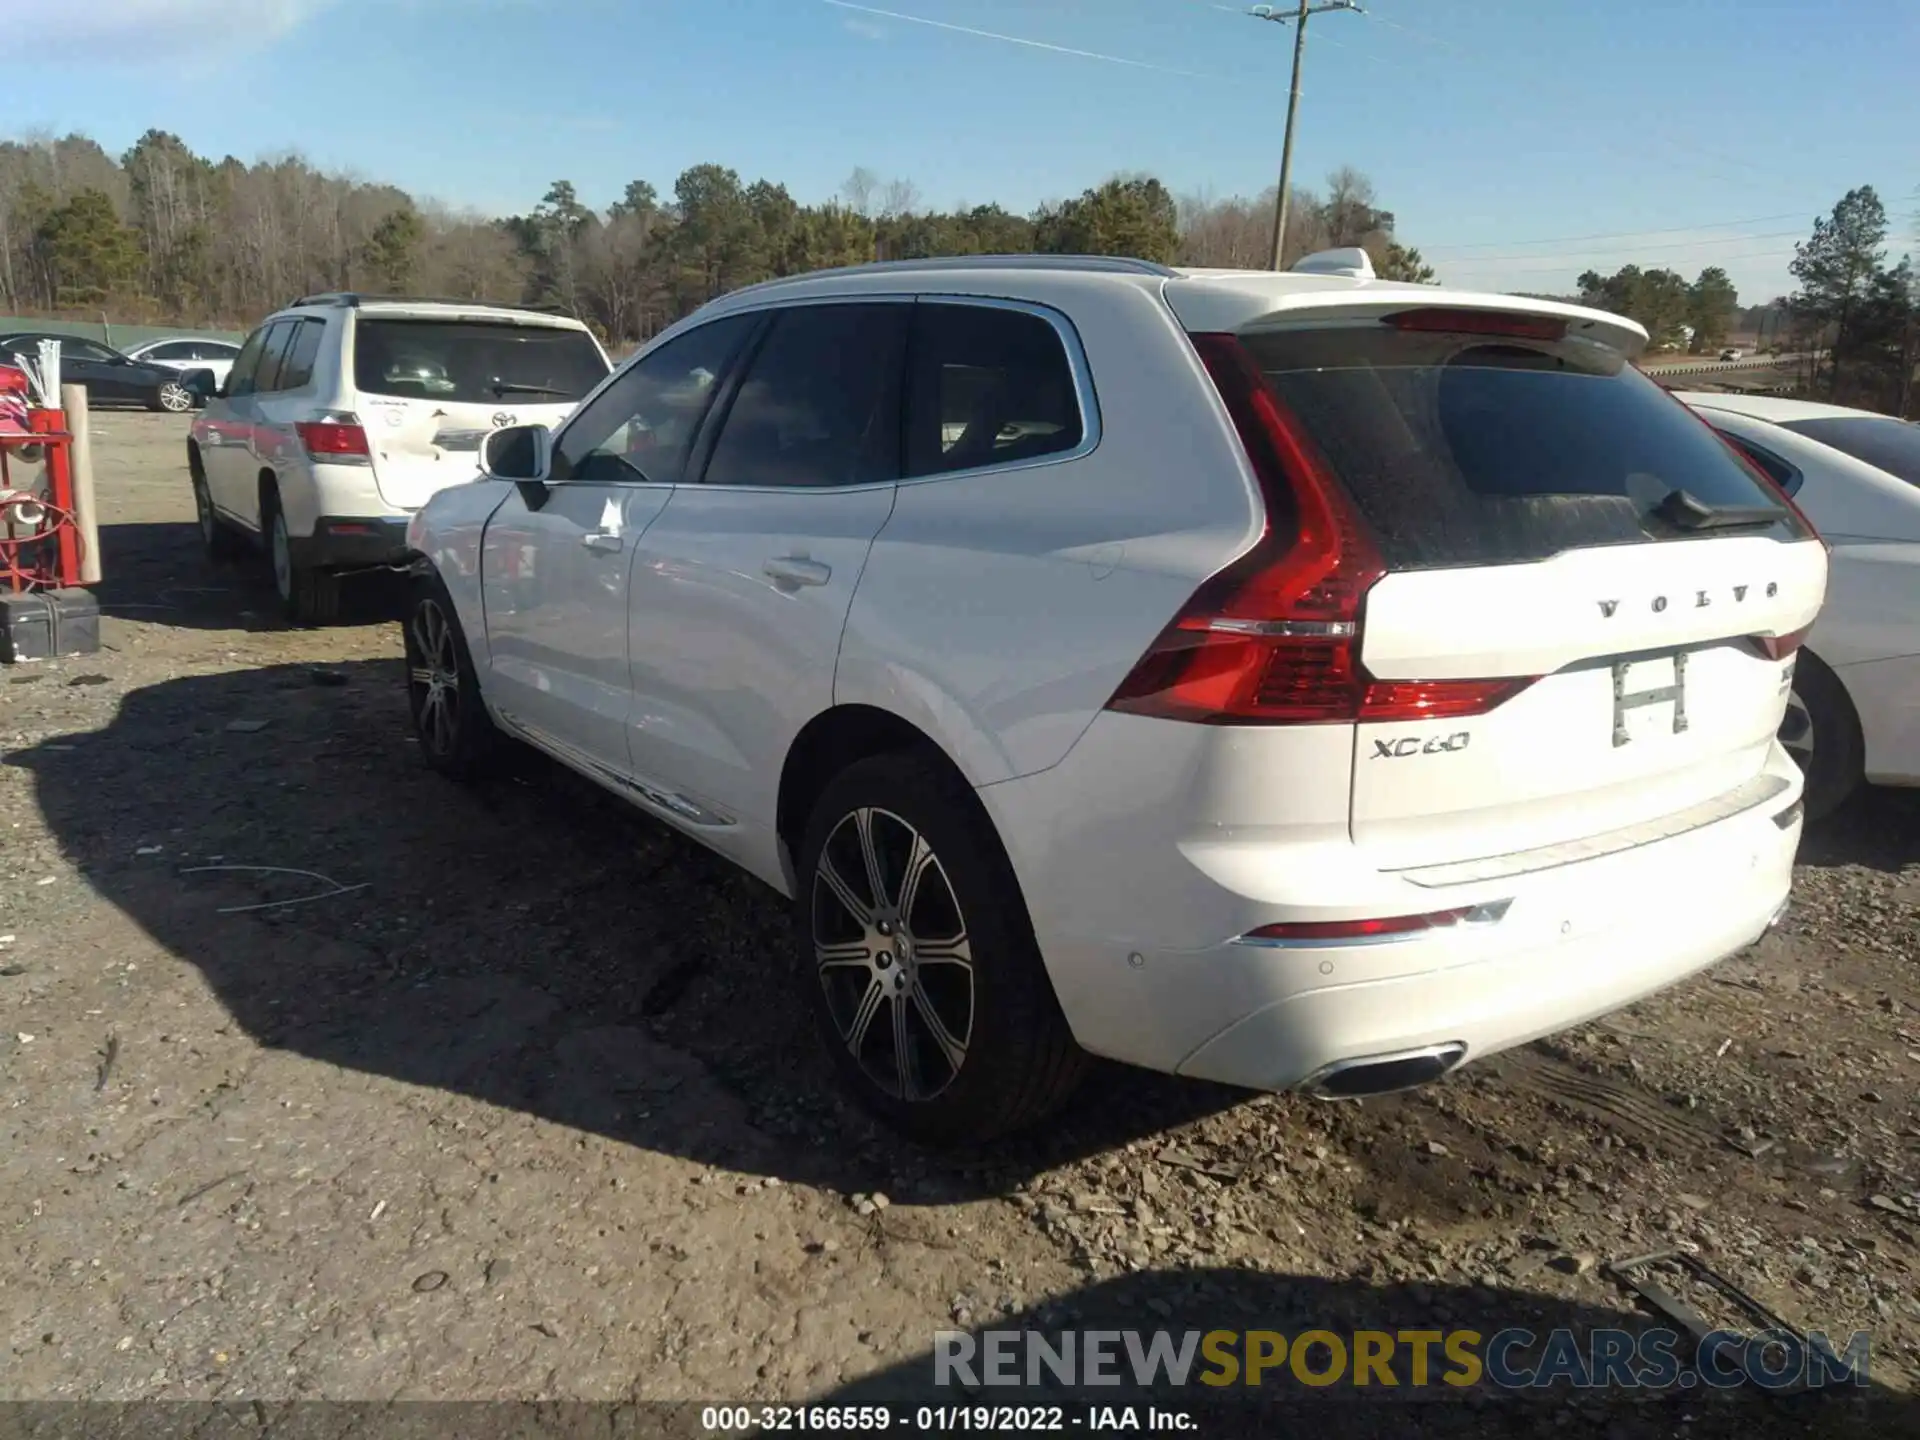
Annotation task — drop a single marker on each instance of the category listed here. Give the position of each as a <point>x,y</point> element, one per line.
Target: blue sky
<point>1505,134</point>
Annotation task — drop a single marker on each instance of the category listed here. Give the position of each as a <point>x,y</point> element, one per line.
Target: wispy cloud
<point>1017,40</point>
<point>199,33</point>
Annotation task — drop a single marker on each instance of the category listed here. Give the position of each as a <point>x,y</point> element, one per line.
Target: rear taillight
<point>1779,647</point>
<point>1390,927</point>
<point>333,439</point>
<point>1274,639</point>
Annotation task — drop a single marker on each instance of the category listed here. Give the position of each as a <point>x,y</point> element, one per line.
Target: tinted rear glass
<point>475,363</point>
<point>1482,450</point>
<point>1892,445</point>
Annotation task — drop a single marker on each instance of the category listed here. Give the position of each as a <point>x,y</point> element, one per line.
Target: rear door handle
<point>793,570</point>
<point>601,540</point>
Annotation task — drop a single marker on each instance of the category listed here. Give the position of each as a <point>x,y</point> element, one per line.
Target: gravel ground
<point>524,1112</point>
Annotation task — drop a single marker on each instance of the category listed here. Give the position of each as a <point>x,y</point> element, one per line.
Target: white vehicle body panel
<point>1868,632</point>
<point>996,610</point>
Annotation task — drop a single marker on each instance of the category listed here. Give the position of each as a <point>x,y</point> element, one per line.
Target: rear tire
<point>457,736</point>
<point>931,996</point>
<point>1822,733</point>
<point>307,596</point>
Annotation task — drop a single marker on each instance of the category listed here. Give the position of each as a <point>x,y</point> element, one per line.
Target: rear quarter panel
<point>1000,608</point>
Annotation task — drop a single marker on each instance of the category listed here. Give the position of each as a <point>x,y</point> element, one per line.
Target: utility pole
<point>1298,19</point>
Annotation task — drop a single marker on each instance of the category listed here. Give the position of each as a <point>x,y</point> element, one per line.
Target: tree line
<point>1855,313</point>
<point>163,233</point>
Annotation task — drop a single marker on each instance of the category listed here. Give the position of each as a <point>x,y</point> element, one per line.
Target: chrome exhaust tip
<point>1384,1074</point>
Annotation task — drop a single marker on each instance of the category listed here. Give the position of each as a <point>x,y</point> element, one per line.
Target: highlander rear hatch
<point>429,386</point>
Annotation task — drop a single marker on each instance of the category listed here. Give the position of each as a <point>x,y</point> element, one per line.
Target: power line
<point>1298,19</point>
<point>1572,255</point>
<point>1624,234</point>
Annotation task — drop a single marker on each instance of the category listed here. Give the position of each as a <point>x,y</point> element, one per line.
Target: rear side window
<point>1881,441</point>
<point>1777,470</point>
<point>990,386</point>
<point>820,402</point>
<point>297,369</point>
<point>1463,449</point>
<point>178,350</point>
<point>474,362</point>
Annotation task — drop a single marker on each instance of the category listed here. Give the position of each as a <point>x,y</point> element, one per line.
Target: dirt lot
<point>526,1113</point>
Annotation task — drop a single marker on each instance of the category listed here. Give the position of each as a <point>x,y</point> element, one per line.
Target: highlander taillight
<point>333,439</point>
<point>1274,639</point>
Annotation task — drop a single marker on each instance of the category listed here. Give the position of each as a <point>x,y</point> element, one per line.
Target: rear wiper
<point>515,387</point>
<point>1685,511</point>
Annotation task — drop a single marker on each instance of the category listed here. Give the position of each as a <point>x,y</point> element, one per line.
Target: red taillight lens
<point>1274,638</point>
<point>327,439</point>
<point>1480,322</point>
<point>1359,929</point>
<point>1779,647</point>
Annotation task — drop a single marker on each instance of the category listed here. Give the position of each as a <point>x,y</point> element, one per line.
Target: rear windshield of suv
<point>1889,444</point>
<point>473,362</point>
<point>1485,450</point>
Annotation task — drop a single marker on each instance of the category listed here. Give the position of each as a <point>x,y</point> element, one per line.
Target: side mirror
<point>520,453</point>
<point>202,384</point>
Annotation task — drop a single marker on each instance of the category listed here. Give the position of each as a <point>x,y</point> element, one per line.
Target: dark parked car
<point>109,375</point>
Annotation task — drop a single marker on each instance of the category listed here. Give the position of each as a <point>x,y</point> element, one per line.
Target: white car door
<point>225,437</point>
<point>742,587</point>
<point>557,558</point>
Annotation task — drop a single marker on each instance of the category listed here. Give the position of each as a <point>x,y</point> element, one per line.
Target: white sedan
<point>186,353</point>
<point>1856,708</point>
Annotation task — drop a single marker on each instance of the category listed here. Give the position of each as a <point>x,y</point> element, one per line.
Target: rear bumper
<point>1142,931</point>
<point>347,543</point>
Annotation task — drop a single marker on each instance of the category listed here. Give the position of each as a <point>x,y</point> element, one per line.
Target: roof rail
<point>352,299</point>
<point>1099,264</point>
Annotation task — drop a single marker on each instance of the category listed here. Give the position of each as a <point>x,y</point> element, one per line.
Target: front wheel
<point>457,737</point>
<point>919,961</point>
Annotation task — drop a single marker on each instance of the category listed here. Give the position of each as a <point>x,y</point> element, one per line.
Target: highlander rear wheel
<point>924,979</point>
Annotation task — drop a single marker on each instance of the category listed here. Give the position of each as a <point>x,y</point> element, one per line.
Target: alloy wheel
<point>175,397</point>
<point>434,674</point>
<point>891,948</point>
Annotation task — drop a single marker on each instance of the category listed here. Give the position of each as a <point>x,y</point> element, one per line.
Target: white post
<point>73,400</point>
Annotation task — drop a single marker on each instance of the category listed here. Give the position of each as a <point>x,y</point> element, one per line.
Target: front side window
<point>72,348</point>
<point>990,386</point>
<point>819,405</point>
<point>177,350</point>
<point>641,427</point>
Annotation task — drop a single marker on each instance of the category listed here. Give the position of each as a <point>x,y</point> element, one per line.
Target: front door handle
<point>601,540</point>
<point>796,570</point>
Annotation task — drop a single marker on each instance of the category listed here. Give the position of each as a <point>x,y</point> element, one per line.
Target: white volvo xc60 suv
<point>1293,680</point>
